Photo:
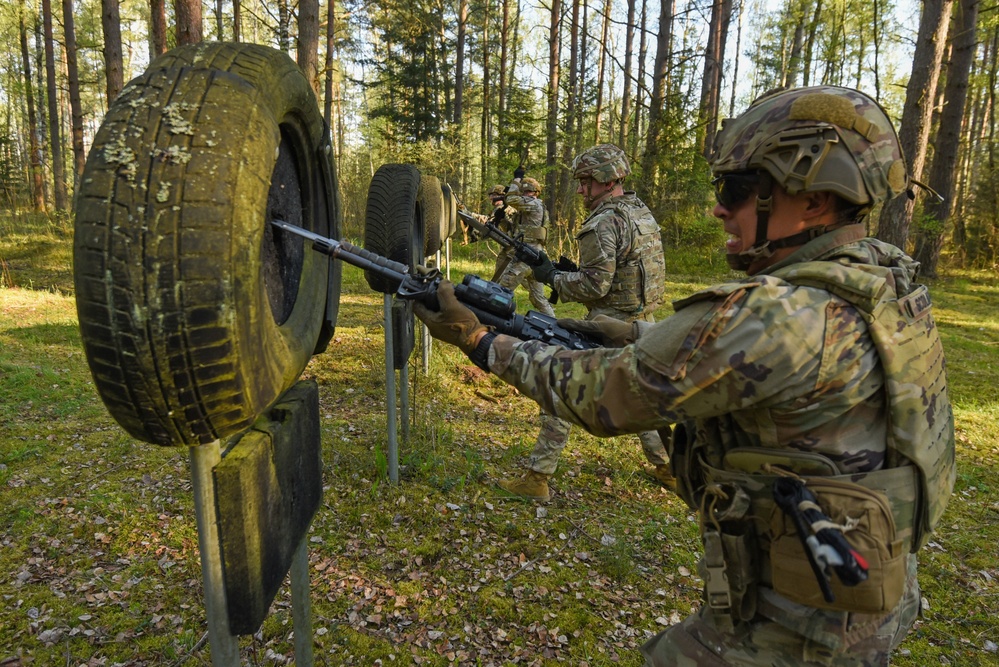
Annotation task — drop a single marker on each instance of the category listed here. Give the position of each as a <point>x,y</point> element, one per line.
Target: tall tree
<point>657,101</point>
<point>503,63</point>
<point>459,67</point>
<point>601,69</point>
<point>714,56</point>
<point>157,28</point>
<point>189,25</point>
<point>73,76</point>
<point>35,146</point>
<point>896,214</point>
<point>55,124</point>
<point>308,41</point>
<point>237,19</point>
<point>572,105</point>
<point>113,70</point>
<point>629,46</point>
<point>930,236</point>
<point>551,126</point>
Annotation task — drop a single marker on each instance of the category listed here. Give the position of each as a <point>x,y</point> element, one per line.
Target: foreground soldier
<point>825,366</point>
<point>621,275</point>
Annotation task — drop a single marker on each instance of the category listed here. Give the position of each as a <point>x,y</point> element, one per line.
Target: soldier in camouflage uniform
<point>824,366</point>
<point>501,216</point>
<point>529,223</point>
<point>621,275</point>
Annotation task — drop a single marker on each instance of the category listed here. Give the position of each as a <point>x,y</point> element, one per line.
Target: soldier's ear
<point>818,204</point>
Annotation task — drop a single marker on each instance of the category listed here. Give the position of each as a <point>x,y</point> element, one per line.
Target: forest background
<point>471,89</point>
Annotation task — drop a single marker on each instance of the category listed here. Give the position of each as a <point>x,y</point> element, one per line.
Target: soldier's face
<point>592,191</point>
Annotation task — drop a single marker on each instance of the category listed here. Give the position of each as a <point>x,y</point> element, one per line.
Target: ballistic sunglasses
<point>733,189</point>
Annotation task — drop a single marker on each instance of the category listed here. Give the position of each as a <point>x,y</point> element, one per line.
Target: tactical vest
<point>639,282</point>
<point>532,224</point>
<point>906,498</point>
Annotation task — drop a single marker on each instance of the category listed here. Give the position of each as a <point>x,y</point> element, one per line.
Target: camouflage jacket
<point>530,218</point>
<point>621,263</point>
<point>775,361</point>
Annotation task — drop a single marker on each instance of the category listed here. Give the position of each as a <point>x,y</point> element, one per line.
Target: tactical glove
<point>519,172</point>
<point>453,323</point>
<point>609,331</point>
<point>544,270</point>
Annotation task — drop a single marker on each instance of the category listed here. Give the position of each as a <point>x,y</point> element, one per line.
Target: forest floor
<point>98,545</point>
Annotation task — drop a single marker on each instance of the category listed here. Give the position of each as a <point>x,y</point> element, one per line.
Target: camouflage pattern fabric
<point>621,263</point>
<point>518,273</point>
<point>527,220</point>
<point>760,362</point>
<point>603,163</point>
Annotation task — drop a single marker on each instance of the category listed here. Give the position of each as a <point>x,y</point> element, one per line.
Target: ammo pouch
<point>729,567</point>
<point>868,525</point>
<point>879,531</point>
<point>535,234</point>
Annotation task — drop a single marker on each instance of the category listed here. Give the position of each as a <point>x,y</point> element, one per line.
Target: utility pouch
<point>867,523</point>
<point>535,234</point>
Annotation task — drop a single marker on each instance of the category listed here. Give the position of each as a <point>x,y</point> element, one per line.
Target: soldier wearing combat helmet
<point>810,396</point>
<point>621,275</point>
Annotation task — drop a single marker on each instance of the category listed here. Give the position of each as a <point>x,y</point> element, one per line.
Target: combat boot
<point>663,474</point>
<point>532,485</point>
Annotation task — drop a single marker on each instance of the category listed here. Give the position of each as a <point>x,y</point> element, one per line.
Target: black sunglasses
<point>733,189</point>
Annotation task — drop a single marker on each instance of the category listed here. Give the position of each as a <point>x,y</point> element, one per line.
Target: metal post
<point>393,444</point>
<point>301,605</point>
<point>404,400</point>
<point>225,647</point>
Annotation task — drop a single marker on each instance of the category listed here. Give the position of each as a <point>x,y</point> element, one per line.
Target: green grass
<point>99,560</point>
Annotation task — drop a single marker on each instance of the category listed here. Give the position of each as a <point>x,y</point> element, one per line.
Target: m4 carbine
<point>494,305</point>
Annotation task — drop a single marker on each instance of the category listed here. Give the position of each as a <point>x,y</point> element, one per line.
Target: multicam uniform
<point>828,363</point>
<point>622,274</point>
<point>530,223</point>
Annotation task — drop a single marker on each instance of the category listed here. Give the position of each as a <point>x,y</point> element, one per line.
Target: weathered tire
<point>450,210</point>
<point>195,314</point>
<point>393,221</point>
<point>432,205</point>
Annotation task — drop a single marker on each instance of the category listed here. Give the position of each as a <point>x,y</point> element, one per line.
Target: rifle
<point>494,305</point>
<point>524,252</point>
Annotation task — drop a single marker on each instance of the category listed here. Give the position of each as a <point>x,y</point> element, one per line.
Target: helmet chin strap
<point>764,248</point>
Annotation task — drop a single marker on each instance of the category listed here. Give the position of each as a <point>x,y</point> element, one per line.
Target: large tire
<point>450,210</point>
<point>432,206</point>
<point>393,221</point>
<point>195,314</point>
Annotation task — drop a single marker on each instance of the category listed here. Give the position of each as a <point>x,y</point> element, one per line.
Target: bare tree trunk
<point>640,88</point>
<point>656,102</point>
<point>813,26</point>
<point>35,146</point>
<point>735,62</point>
<point>551,152</point>
<point>459,68</point>
<point>573,103</point>
<point>929,241</point>
<point>157,28</point>
<point>55,134</point>
<point>503,64</point>
<point>73,75</point>
<point>328,68</point>
<point>794,64</point>
<point>283,26</point>
<point>188,16</point>
<point>484,128</point>
<point>218,21</point>
<point>896,215</point>
<point>721,14</point>
<point>237,19</point>
<point>602,69</point>
<point>308,41</point>
<point>629,44</point>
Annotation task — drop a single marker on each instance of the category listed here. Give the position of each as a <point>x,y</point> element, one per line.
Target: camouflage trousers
<point>835,639</point>
<point>519,273</point>
<point>555,432</point>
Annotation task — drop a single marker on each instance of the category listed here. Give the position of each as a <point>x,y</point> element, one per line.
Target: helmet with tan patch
<point>529,184</point>
<point>816,139</point>
<point>497,191</point>
<point>603,163</point>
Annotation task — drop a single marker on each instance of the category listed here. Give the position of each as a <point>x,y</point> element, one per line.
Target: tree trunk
<point>551,128</point>
<point>459,67</point>
<point>283,26</point>
<point>813,26</point>
<point>601,69</point>
<point>896,215</point>
<point>218,21</point>
<point>237,19</point>
<point>929,241</point>
<point>484,127</point>
<point>73,74</point>
<point>640,88</point>
<point>503,64</point>
<point>35,146</point>
<point>308,41</point>
<point>573,103</point>
<point>735,61</point>
<point>328,69</point>
<point>55,134</point>
<point>629,44</point>
<point>656,102</point>
<point>714,55</point>
<point>157,28</point>
<point>188,15</point>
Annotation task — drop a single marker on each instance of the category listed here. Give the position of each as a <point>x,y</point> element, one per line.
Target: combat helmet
<point>603,163</point>
<point>529,184</point>
<point>811,139</point>
<point>497,191</point>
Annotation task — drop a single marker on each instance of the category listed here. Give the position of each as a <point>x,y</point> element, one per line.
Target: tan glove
<point>453,323</point>
<point>609,331</point>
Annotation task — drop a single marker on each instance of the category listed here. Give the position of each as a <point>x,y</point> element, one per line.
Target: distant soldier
<point>621,275</point>
<point>529,223</point>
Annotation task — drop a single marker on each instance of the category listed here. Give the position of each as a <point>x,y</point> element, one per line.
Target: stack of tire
<point>195,313</point>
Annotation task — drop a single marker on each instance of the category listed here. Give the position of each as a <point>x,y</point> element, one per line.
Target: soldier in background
<point>501,216</point>
<point>823,370</point>
<point>529,223</point>
<point>621,275</point>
